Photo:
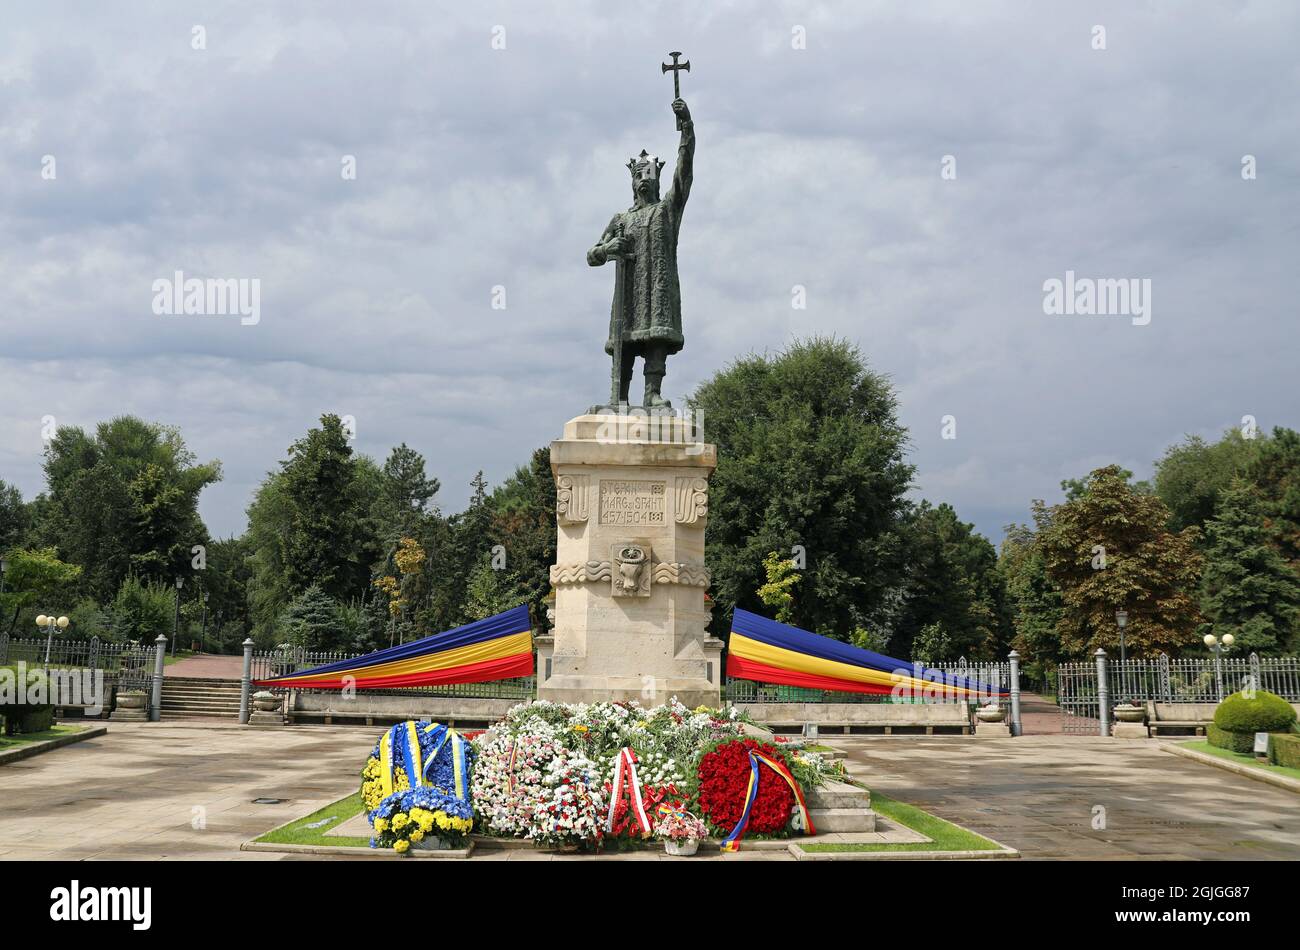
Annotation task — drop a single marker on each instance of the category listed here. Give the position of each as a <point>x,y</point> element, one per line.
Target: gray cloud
<point>479,167</point>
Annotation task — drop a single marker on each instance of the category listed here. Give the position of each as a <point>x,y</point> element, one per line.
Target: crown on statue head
<point>645,166</point>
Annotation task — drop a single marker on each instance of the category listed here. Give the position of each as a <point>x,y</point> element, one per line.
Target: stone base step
<point>829,820</point>
<point>839,795</point>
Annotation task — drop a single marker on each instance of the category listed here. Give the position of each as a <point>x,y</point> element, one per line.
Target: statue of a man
<point>646,316</point>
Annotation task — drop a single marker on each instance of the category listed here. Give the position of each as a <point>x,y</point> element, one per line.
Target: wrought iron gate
<point>1076,694</point>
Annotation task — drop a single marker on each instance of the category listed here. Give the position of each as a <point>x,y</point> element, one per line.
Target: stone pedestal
<point>130,707</point>
<point>992,729</point>
<point>268,709</point>
<point>630,614</point>
<point>1129,730</point>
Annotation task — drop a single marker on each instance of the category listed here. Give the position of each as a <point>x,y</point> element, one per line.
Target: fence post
<point>1014,658</point>
<point>246,681</point>
<point>1103,692</point>
<point>4,647</point>
<point>160,656</point>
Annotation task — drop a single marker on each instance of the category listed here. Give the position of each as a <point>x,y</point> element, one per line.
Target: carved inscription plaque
<point>633,503</point>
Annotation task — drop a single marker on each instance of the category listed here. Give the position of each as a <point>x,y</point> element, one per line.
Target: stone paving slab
<point>178,791</point>
<point>1043,795</point>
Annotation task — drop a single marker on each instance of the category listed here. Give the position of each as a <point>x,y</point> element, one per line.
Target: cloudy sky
<point>477,167</point>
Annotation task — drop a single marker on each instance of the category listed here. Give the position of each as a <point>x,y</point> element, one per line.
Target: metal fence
<point>271,663</point>
<point>748,691</point>
<point>1166,680</point>
<point>126,665</point>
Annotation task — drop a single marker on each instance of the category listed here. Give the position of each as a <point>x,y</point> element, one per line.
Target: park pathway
<point>207,666</point>
<point>1054,796</point>
<point>1039,716</point>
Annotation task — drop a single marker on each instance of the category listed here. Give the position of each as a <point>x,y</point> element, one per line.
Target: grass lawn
<point>1204,746</point>
<point>944,834</point>
<point>297,832</point>
<point>57,732</point>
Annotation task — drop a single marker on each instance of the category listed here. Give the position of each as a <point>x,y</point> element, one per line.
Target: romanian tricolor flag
<point>495,648</point>
<point>771,652</point>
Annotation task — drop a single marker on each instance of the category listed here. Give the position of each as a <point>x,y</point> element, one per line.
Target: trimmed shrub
<point>1243,742</point>
<point>1265,712</point>
<point>1284,749</point>
<point>28,717</point>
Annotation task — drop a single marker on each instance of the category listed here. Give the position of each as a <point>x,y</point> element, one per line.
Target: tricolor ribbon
<point>732,841</point>
<point>625,775</point>
<point>459,757</point>
<point>400,748</point>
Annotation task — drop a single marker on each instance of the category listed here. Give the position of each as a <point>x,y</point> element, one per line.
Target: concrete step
<point>169,715</point>
<point>206,704</point>
<point>828,820</point>
<point>839,795</point>
<point>202,693</point>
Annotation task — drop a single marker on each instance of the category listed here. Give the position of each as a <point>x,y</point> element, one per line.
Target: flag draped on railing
<point>770,652</point>
<point>499,647</point>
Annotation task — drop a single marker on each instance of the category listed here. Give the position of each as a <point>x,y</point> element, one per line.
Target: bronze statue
<point>646,316</point>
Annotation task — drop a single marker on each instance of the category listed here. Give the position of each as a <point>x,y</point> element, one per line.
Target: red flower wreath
<point>724,781</point>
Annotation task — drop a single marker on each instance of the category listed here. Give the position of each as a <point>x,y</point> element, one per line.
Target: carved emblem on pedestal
<point>692,499</point>
<point>572,498</point>
<point>631,570</point>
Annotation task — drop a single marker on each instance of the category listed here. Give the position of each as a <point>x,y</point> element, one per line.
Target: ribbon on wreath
<point>625,777</point>
<point>441,735</point>
<point>400,748</point>
<point>732,841</point>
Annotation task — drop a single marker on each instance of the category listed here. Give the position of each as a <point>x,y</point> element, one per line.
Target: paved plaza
<point>185,791</point>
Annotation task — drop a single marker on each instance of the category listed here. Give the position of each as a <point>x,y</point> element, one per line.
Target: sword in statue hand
<point>676,68</point>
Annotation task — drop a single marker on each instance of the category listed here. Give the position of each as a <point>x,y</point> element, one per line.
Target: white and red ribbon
<point>625,776</point>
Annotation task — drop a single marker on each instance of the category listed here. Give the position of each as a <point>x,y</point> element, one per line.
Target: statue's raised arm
<point>684,173</point>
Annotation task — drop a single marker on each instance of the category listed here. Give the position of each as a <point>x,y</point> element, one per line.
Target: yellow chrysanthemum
<point>401,846</point>
<point>400,821</point>
<point>381,824</point>
<point>417,835</point>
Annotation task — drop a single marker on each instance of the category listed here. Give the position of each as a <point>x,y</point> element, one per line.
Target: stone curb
<point>29,749</point>
<point>457,854</point>
<point>1002,852</point>
<point>1249,771</point>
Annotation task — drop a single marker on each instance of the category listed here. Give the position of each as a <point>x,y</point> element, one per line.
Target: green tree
<point>1276,472</point>
<point>810,454</point>
<point>405,495</point>
<point>123,500</point>
<point>1248,589</point>
<point>1110,547</point>
<point>312,621</point>
<point>325,544</point>
<point>778,592</point>
<point>1035,601</point>
<point>15,519</point>
<point>952,580</point>
<point>523,523</point>
<point>1191,475</point>
<point>141,609</point>
<point>36,579</point>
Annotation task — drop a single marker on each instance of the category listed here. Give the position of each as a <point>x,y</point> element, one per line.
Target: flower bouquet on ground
<point>680,831</point>
<point>422,818</point>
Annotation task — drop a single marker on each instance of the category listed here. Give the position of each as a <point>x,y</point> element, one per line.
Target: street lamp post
<point>1218,648</point>
<point>1121,621</point>
<point>49,623</point>
<point>203,629</point>
<point>176,627</point>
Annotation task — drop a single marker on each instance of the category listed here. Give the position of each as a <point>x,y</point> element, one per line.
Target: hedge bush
<point>1284,749</point>
<point>1264,712</point>
<point>28,717</point>
<point>1243,742</point>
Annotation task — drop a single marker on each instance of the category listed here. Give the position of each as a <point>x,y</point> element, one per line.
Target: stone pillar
<point>1103,692</point>
<point>159,658</point>
<point>1014,659</point>
<point>246,681</point>
<point>632,498</point>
